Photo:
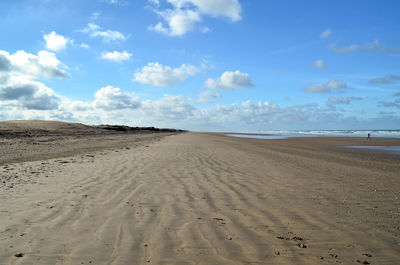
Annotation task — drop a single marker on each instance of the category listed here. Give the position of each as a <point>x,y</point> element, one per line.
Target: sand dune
<point>204,199</point>
<point>34,140</point>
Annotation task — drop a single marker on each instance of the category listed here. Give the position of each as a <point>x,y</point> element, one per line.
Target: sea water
<point>389,149</point>
<point>319,133</point>
<point>330,133</point>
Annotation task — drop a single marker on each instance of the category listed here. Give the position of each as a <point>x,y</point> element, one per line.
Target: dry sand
<point>34,140</point>
<point>198,198</point>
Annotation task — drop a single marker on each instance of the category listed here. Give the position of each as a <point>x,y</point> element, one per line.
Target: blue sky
<point>210,65</point>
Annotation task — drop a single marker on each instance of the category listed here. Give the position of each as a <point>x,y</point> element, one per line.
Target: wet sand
<point>198,198</point>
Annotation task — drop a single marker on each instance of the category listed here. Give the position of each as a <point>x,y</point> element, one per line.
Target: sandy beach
<point>197,198</point>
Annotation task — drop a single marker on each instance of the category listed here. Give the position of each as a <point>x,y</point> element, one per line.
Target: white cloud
<point>27,94</point>
<point>324,88</point>
<point>95,31</point>
<point>116,56</point>
<point>179,22</point>
<point>159,75</point>
<point>55,42</point>
<point>326,33</point>
<point>17,85</point>
<point>186,14</point>
<point>227,8</point>
<point>45,64</point>
<point>75,105</point>
<point>85,46</point>
<point>168,108</point>
<point>91,27</point>
<point>374,46</point>
<point>109,35</point>
<point>111,98</point>
<point>230,80</point>
<point>320,64</point>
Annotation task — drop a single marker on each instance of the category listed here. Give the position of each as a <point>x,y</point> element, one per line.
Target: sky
<point>203,65</point>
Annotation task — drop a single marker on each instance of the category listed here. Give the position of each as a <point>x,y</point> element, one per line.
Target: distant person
<point>369,136</point>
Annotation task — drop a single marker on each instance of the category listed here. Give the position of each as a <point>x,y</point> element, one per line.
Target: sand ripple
<point>202,199</point>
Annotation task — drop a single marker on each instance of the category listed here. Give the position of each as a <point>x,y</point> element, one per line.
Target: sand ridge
<point>205,199</point>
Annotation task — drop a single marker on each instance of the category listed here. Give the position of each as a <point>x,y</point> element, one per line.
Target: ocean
<point>318,133</point>
<point>329,133</point>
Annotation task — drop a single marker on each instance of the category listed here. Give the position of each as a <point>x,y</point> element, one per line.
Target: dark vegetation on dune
<point>31,129</point>
<point>123,128</point>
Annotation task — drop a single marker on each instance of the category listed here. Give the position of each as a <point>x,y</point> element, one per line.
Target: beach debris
<point>363,261</point>
<point>222,220</point>
<point>19,255</point>
<point>277,253</point>
<point>297,238</point>
<point>367,255</point>
<point>301,245</point>
<point>283,238</point>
